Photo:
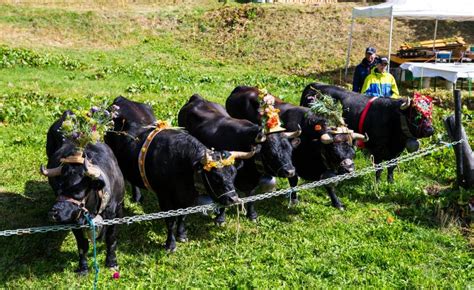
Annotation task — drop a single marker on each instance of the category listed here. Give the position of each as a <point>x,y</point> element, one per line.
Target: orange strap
<point>142,156</point>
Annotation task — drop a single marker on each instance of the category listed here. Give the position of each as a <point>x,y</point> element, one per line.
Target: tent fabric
<point>459,10</point>
<point>449,71</point>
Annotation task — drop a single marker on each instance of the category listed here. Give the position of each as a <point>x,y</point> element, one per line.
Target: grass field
<point>57,56</point>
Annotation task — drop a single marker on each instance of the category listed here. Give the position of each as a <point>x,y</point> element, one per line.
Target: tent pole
<point>390,40</point>
<point>434,37</point>
<point>349,49</point>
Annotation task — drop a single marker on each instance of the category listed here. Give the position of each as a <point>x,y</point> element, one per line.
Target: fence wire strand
<point>213,206</point>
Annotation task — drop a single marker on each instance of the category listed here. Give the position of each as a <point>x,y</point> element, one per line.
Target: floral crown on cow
<point>268,113</point>
<point>423,104</point>
<point>83,127</point>
<point>209,162</point>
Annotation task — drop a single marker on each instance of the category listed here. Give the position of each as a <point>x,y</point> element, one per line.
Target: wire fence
<point>213,206</point>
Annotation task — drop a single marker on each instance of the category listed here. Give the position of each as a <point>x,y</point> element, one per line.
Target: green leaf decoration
<point>325,106</point>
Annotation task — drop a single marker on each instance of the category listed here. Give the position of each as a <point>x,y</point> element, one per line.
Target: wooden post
<point>458,136</point>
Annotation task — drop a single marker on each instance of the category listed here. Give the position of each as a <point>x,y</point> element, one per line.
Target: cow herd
<point>219,152</point>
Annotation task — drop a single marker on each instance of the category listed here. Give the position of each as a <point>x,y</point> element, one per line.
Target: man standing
<point>363,69</point>
<point>380,83</point>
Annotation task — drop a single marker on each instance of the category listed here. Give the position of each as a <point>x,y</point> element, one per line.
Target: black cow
<point>84,182</point>
<point>176,165</point>
<point>391,124</point>
<point>135,117</point>
<point>322,152</point>
<point>213,126</point>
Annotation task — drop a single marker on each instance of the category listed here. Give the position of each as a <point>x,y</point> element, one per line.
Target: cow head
<point>79,183</point>
<point>217,171</point>
<point>334,143</point>
<point>276,152</point>
<point>130,115</point>
<point>418,115</point>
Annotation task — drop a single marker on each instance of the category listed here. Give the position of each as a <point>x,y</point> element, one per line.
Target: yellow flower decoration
<point>268,113</point>
<point>218,163</point>
<point>160,125</point>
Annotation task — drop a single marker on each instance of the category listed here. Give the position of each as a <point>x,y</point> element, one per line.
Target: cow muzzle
<point>64,212</point>
<point>229,198</point>
<point>286,171</point>
<point>347,165</point>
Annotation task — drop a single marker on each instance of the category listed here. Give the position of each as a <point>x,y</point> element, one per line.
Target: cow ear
<point>197,165</point>
<point>97,184</point>
<point>295,142</point>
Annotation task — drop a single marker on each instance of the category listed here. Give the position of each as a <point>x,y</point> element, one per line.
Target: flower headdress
<point>423,104</point>
<point>268,113</point>
<point>209,162</point>
<point>84,127</point>
<point>326,107</point>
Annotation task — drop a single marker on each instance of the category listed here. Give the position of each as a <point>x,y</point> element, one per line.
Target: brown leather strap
<point>142,155</point>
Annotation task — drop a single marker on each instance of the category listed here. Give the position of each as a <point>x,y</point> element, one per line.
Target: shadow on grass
<point>149,236</point>
<point>27,255</point>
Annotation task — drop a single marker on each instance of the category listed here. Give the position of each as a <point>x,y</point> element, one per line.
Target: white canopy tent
<point>458,10</point>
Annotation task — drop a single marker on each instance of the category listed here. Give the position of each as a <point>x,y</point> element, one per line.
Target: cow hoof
<point>82,271</point>
<point>253,219</point>
<point>112,265</point>
<point>170,249</point>
<point>219,223</point>
<point>138,199</point>
<point>341,208</point>
<point>294,201</point>
<point>183,239</point>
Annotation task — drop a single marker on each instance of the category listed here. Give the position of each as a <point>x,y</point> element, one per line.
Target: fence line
<point>213,206</point>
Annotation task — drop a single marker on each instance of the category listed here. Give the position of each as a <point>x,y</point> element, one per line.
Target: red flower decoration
<point>116,275</point>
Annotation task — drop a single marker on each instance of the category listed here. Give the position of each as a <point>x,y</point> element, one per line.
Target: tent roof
<point>459,10</point>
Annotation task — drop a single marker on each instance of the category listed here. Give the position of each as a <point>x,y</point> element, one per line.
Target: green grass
<point>406,234</point>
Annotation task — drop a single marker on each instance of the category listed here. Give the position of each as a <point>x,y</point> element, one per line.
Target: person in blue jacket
<point>380,83</point>
<point>363,69</point>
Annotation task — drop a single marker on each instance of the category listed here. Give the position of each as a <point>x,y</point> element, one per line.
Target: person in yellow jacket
<point>380,83</point>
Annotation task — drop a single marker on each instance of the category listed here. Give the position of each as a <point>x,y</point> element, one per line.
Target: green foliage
<point>10,57</point>
<point>325,106</point>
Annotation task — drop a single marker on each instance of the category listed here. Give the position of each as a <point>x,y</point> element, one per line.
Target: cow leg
<point>181,232</point>
<point>111,240</point>
<point>265,184</point>
<point>170,245</point>
<point>390,174</point>
<point>136,194</point>
<point>111,244</point>
<point>251,212</point>
<point>83,247</point>
<point>331,189</point>
<point>220,218</point>
<point>293,181</point>
<point>378,173</point>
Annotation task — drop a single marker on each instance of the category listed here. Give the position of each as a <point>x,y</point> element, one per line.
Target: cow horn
<point>357,136</point>
<point>405,105</point>
<point>293,134</point>
<point>91,170</point>
<point>260,137</point>
<point>207,157</point>
<point>242,155</point>
<point>326,139</point>
<point>51,172</point>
